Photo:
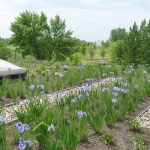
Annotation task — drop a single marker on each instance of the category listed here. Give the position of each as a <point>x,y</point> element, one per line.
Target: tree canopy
<point>33,35</point>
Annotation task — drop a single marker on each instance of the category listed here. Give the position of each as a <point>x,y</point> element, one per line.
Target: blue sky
<point>90,20</point>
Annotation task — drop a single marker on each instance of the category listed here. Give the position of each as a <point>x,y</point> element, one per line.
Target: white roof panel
<point>7,68</point>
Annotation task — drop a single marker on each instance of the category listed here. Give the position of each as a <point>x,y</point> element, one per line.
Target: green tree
<point>28,30</point>
<point>117,34</point>
<point>132,52</point>
<point>144,33</point>
<point>61,41</point>
<point>5,52</point>
<point>119,50</point>
<point>91,50</point>
<point>83,48</point>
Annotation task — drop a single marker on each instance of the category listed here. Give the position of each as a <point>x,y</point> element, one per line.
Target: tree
<point>119,50</point>
<point>104,45</point>
<point>91,50</point>
<point>144,33</point>
<point>5,52</point>
<point>133,52</point>
<point>28,30</point>
<point>83,48</point>
<point>117,34</point>
<point>60,40</point>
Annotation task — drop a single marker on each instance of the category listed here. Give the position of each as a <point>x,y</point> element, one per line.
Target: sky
<point>90,20</point>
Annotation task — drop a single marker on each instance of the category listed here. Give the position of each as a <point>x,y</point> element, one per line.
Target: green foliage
<point>77,58</point>
<point>134,125</point>
<point>5,52</point>
<point>117,34</point>
<point>108,138</point>
<point>91,50</point>
<point>140,142</point>
<point>33,36</point>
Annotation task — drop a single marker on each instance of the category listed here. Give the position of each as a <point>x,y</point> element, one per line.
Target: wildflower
<point>26,101</point>
<point>22,127</point>
<point>58,74</point>
<point>22,143</point>
<point>101,83</point>
<point>136,86</point>
<point>87,94</point>
<point>46,95</point>
<point>80,67</point>
<point>80,96</point>
<point>31,87</point>
<point>40,86</point>
<point>115,94</point>
<point>80,114</point>
<point>105,89</point>
<point>104,75</point>
<point>111,72</point>
<point>125,84</point>
<point>73,101</point>
<point>116,89</point>
<point>2,99</point>
<point>118,78</point>
<point>51,127</point>
<point>1,119</point>
<point>125,91</point>
<point>55,95</point>
<point>114,100</point>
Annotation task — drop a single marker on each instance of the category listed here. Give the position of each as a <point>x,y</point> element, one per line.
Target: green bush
<point>5,52</point>
<point>77,58</point>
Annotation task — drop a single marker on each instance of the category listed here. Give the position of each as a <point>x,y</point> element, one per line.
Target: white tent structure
<point>8,69</point>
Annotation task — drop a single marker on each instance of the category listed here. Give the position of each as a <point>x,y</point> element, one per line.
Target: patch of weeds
<point>134,125</point>
<point>108,138</point>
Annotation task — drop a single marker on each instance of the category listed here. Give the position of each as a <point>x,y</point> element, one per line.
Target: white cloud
<point>89,19</point>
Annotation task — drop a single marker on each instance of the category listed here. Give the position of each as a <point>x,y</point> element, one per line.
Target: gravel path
<point>9,109</point>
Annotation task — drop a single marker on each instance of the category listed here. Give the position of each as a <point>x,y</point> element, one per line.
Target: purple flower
<point>1,119</point>
<point>115,94</point>
<point>114,100</point>
<point>104,75</point>
<point>73,101</point>
<point>40,86</point>
<point>2,99</point>
<point>80,114</point>
<point>22,143</point>
<point>80,96</point>
<point>101,83</point>
<point>22,127</point>
<point>125,84</point>
<point>31,87</point>
<point>136,86</point>
<point>105,89</point>
<point>51,127</point>
<point>26,101</point>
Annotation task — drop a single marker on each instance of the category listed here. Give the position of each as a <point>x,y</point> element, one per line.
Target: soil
<point>124,136</point>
